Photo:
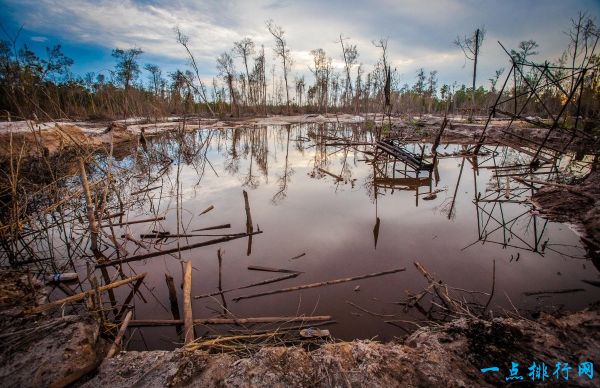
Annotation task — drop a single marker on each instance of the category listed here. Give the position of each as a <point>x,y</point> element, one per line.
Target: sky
<point>420,33</point>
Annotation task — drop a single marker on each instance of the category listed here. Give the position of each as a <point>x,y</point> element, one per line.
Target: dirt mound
<point>46,141</point>
<point>451,355</point>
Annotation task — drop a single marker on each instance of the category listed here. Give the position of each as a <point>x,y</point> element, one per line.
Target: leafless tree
<point>200,89</point>
<point>350,54</point>
<point>470,46</point>
<point>283,52</point>
<point>244,49</point>
<point>226,70</point>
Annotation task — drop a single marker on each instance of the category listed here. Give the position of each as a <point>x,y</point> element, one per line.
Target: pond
<point>329,211</point>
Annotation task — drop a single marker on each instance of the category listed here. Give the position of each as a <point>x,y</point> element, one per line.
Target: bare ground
<point>446,356</point>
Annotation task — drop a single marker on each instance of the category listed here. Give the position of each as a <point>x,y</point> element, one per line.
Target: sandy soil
<point>46,138</point>
<point>447,356</point>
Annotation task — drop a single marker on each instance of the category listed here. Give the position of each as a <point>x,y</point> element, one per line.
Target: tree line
<point>246,83</point>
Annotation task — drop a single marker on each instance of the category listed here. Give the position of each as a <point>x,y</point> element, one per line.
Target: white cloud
<point>39,39</point>
<point>420,32</point>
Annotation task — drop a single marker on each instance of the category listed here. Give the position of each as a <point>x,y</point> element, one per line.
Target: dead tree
<point>200,89</point>
<point>470,47</point>
<point>227,72</point>
<point>350,55</point>
<point>244,49</point>
<point>282,51</point>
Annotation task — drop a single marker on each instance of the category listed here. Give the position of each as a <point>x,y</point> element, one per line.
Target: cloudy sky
<point>420,32</point>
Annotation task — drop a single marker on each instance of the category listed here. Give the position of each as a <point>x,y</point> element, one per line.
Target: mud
<point>579,205</point>
<point>450,355</point>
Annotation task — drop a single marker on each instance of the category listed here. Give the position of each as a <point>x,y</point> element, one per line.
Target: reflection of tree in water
<point>232,160</point>
<point>251,144</point>
<point>250,180</point>
<point>287,173</point>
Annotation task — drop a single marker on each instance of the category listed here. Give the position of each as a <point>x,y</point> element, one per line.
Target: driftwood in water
<point>89,205</point>
<point>288,328</point>
<point>563,291</point>
<point>137,221</point>
<point>173,299</point>
<point>268,281</point>
<point>145,190</point>
<point>211,207</point>
<point>299,256</point>
<point>320,284</point>
<point>439,289</point>
<point>188,324</point>
<point>165,236</point>
<point>82,295</point>
<point>337,177</point>
<point>224,226</point>
<point>229,321</point>
<point>116,345</point>
<point>169,251</point>
<point>270,269</point>
<point>249,227</point>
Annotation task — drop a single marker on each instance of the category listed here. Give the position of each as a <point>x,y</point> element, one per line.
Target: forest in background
<point>251,83</point>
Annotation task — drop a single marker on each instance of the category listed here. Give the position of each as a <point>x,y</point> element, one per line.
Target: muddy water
<point>301,209</point>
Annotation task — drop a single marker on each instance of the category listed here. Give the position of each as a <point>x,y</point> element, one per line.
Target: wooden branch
<point>137,221</point>
<point>114,349</point>
<point>211,207</point>
<point>313,285</point>
<point>82,295</point>
<point>228,321</point>
<point>268,281</point>
<point>145,190</point>
<point>89,205</point>
<point>224,226</point>
<point>187,304</point>
<point>249,227</point>
<point>169,251</point>
<point>269,269</point>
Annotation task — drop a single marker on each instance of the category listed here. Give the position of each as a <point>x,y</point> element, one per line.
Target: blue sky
<point>420,32</point>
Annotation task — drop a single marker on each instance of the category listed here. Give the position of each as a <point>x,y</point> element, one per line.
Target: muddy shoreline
<point>46,138</point>
<point>45,351</point>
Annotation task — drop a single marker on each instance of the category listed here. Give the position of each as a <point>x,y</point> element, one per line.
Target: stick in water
<point>313,285</point>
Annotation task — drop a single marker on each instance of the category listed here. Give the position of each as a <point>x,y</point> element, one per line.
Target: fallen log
<point>228,321</point>
<point>313,285</point>
<point>169,251</point>
<point>82,295</point>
